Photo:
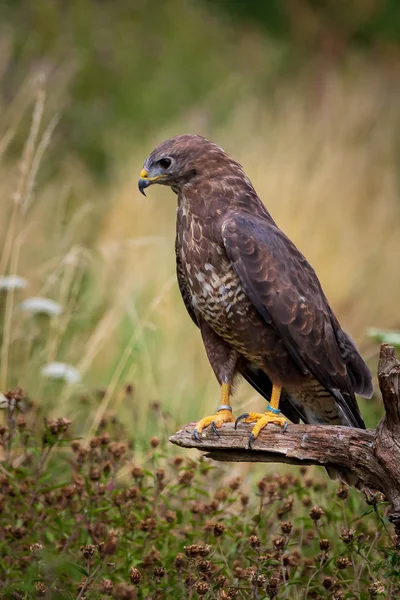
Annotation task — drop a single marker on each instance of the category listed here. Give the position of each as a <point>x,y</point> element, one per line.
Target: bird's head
<point>179,160</point>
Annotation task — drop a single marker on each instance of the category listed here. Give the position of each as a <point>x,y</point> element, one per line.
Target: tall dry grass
<point>322,155</point>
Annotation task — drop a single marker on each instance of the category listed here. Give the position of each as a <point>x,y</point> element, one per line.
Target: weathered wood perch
<point>373,454</point>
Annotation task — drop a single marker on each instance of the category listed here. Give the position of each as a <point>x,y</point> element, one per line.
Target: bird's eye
<point>165,163</point>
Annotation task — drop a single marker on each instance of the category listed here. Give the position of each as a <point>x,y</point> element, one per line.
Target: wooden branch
<point>372,454</point>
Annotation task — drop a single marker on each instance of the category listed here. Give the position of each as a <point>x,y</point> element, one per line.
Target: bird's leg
<point>272,415</point>
<point>223,414</point>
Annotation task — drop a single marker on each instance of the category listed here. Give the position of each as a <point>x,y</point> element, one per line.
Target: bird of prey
<point>258,303</point>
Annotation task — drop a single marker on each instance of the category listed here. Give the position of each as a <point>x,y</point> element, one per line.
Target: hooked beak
<point>145,180</point>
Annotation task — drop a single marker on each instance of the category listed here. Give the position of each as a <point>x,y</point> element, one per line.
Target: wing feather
<point>286,292</point>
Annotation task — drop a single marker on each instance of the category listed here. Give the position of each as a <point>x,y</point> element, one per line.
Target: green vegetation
<point>87,521</point>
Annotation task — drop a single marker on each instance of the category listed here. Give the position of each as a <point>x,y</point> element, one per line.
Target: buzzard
<point>258,303</point>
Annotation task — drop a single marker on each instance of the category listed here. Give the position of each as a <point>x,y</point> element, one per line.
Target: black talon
<point>214,428</point>
<point>196,435</point>
<point>285,426</point>
<point>251,440</point>
<point>243,416</point>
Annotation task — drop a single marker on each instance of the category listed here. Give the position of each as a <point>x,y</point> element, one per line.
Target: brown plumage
<point>255,298</point>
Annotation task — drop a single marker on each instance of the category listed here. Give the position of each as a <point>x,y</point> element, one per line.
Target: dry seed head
<point>260,580</point>
<point>218,529</point>
<point>235,483</point>
<point>204,566</point>
<point>107,466</point>
<point>159,572</point>
<point>375,589</point>
<point>324,545</point>
<point>316,513</point>
<point>135,575</point>
<point>152,557</point>
<point>186,478</point>
<point>244,500</point>
<point>221,495</point>
<point>201,588</point>
<point>94,474</point>
<point>106,586</point>
<point>286,527</point>
<point>343,562</point>
<point>95,442</point>
<point>254,542</point>
<point>88,550</point>
<point>137,472</point>
<point>347,535</point>
<point>117,449</point>
<point>36,549</point>
<point>204,549</point>
<point>148,524</point>
<point>41,589</point>
<point>272,586</point>
<point>154,442</point>
<point>329,583</point>
<point>76,445</point>
<point>343,492</point>
<point>285,508</point>
<point>160,474</point>
<point>291,560</point>
<point>279,543</point>
<point>170,516</point>
<point>180,561</point>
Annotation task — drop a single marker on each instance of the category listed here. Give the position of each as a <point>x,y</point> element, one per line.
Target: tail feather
<point>293,410</point>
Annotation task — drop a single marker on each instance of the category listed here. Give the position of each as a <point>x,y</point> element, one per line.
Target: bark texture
<point>373,454</point>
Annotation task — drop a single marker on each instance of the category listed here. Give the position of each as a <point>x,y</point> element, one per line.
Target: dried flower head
<point>347,535</point>
<point>179,561</point>
<point>218,529</point>
<point>286,527</point>
<point>159,573</point>
<point>203,565</point>
<point>324,545</point>
<point>201,588</point>
<point>135,575</point>
<point>106,586</point>
<point>329,583</point>
<point>279,542</point>
<point>316,513</point>
<point>343,562</point>
<point>137,472</point>
<point>36,549</point>
<point>376,589</point>
<point>272,586</point>
<point>343,492</point>
<point>41,589</point>
<point>154,442</point>
<point>254,542</point>
<point>88,550</point>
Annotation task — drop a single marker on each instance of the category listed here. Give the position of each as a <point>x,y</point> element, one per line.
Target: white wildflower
<point>41,305</point>
<point>60,370</point>
<point>12,282</point>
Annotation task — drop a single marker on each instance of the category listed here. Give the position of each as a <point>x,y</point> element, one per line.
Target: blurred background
<point>306,95</point>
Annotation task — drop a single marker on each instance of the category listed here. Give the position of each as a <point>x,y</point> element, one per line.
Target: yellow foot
<point>261,420</point>
<point>216,421</point>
